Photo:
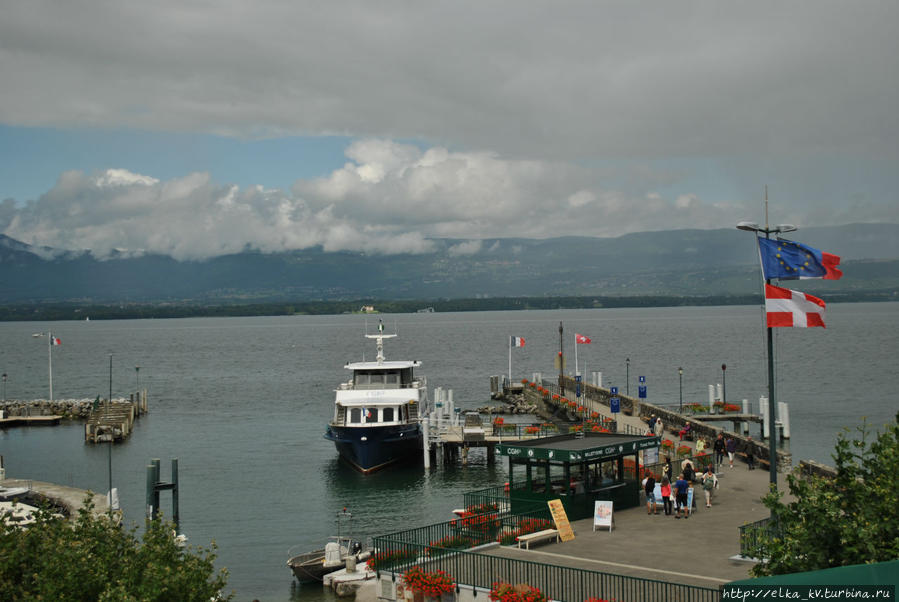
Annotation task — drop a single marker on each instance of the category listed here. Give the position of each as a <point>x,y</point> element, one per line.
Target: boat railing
<point>350,386</point>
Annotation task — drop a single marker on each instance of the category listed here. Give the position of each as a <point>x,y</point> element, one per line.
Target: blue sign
<point>642,391</point>
<point>642,379</point>
<point>615,404</point>
<point>577,378</point>
<point>613,390</point>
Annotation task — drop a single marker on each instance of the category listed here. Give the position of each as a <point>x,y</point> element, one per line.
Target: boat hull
<point>368,449</point>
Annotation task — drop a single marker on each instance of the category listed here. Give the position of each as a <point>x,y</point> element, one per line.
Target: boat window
<point>388,414</point>
<point>371,415</point>
<point>406,376</point>
<point>377,378</point>
<point>392,378</point>
<point>355,416</point>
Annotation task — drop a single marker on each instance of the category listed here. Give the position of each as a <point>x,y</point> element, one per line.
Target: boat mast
<point>379,339</point>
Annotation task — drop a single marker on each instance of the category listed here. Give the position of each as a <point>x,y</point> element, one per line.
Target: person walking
<point>750,454</point>
<point>709,483</point>
<point>669,470</point>
<point>731,447</point>
<point>666,495</point>
<point>658,427</point>
<point>681,487</point>
<point>719,450</point>
<point>649,487</point>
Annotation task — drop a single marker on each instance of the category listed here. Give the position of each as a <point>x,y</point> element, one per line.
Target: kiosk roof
<point>573,448</point>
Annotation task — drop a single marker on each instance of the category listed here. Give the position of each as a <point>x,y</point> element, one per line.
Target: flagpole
<point>575,356</point>
<point>50,361</point>
<point>510,360</point>
<point>772,429</point>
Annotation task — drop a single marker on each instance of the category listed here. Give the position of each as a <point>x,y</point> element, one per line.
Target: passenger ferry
<point>376,413</point>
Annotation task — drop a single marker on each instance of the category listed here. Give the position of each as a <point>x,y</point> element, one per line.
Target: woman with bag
<point>709,482</point>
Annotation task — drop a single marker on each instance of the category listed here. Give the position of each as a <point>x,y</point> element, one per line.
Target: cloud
<point>389,197</point>
<point>593,79</point>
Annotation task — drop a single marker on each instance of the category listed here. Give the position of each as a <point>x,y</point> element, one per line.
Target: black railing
<point>481,570</point>
<point>751,533</point>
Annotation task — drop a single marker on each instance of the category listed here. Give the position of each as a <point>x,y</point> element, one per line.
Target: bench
<point>537,536</point>
<point>759,462</point>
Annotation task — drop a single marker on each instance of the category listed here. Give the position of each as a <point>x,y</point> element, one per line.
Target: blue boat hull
<point>368,449</point>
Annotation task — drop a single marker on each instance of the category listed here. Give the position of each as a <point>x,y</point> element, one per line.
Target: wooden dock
<point>29,421</point>
<point>113,421</point>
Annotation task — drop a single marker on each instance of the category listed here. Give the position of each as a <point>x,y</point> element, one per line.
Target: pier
<point>104,420</point>
<point>114,420</point>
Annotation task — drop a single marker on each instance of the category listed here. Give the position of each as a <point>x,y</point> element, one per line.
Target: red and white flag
<point>792,309</point>
<point>516,342</point>
<point>581,339</point>
<point>54,341</point>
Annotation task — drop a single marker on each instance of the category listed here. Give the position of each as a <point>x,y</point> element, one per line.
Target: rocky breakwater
<point>67,408</point>
<point>515,403</point>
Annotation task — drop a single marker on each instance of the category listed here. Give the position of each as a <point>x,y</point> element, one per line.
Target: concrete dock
<point>69,497</point>
<point>698,550</point>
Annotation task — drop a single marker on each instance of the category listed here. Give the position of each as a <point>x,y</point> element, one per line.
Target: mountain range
<point>677,262</point>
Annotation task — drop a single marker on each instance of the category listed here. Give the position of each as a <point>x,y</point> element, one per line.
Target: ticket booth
<point>577,469</point>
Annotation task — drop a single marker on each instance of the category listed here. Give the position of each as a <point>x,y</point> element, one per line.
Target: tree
<point>93,558</point>
<point>848,519</point>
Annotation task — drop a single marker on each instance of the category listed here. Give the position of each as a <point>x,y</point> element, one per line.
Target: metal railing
<point>751,533</point>
<point>481,570</point>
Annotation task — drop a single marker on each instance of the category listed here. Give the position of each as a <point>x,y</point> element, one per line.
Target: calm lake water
<point>242,403</point>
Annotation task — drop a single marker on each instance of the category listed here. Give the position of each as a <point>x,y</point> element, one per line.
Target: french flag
<point>792,309</point>
<point>517,342</point>
<point>55,341</point>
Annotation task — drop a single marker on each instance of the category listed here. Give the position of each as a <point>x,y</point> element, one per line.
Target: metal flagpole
<point>772,429</point>
<point>50,361</point>
<point>575,356</point>
<point>510,360</point>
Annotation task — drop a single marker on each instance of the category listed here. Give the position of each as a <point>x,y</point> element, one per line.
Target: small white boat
<point>313,566</point>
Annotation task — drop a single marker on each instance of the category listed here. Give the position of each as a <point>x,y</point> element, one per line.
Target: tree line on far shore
<point>194,309</point>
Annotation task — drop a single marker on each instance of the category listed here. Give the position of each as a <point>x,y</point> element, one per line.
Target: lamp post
<point>723,383</point>
<point>137,373</point>
<point>680,378</point>
<point>109,445</point>
<point>4,386</point>
<point>772,441</point>
<point>627,376</point>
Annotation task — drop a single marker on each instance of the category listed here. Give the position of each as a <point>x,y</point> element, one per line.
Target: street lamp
<point>4,386</point>
<point>772,440</point>
<point>137,373</point>
<point>723,383</point>
<point>680,378</point>
<point>627,376</point>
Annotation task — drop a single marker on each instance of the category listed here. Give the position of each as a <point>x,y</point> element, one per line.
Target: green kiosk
<point>577,469</point>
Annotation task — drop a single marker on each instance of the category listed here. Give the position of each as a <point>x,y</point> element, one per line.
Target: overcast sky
<point>201,128</point>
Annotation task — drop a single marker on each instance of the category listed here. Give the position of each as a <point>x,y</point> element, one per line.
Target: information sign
<point>560,518</point>
<point>642,379</point>
<point>613,390</point>
<point>642,391</point>
<point>615,404</point>
<point>602,514</point>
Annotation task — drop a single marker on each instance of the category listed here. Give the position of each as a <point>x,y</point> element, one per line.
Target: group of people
<point>675,495</point>
<point>729,446</point>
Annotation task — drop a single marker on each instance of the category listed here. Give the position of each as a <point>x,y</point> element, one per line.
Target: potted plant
<point>428,585</point>
<point>506,592</point>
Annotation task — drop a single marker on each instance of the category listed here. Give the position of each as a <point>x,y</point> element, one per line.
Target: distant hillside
<point>680,262</point>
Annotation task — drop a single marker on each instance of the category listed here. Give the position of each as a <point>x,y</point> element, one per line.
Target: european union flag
<point>788,260</point>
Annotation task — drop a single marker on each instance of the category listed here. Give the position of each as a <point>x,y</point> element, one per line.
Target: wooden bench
<point>537,536</point>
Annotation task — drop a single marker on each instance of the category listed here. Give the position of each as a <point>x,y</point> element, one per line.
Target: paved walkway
<point>695,551</point>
